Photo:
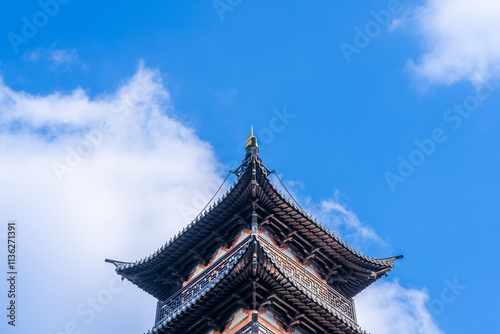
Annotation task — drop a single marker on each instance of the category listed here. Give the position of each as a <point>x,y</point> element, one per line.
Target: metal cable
<point>227,176</point>
<point>274,171</point>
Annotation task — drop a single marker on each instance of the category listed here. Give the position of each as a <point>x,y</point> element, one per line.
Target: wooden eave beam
<point>289,236</point>
<point>203,242</point>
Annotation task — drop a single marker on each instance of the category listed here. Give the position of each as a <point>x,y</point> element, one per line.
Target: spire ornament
<point>251,148</point>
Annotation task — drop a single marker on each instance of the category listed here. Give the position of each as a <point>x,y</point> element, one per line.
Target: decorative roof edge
<point>121,265</point>
<point>384,261</point>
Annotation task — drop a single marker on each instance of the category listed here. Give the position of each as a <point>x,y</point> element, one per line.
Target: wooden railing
<point>199,285</point>
<point>312,286</point>
<point>306,282</point>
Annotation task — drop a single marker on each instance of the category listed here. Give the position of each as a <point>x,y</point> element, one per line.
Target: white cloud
<point>333,212</point>
<point>389,308</point>
<point>460,41</point>
<point>116,198</point>
<point>64,56</point>
<point>58,59</point>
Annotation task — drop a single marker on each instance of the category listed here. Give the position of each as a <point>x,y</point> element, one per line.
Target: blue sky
<point>381,117</point>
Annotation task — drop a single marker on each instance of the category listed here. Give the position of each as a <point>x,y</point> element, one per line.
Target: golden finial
<point>251,141</point>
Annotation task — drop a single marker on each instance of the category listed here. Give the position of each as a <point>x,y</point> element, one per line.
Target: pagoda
<point>254,262</point>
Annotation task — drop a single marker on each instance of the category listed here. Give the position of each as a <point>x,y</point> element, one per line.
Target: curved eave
<point>328,238</point>
<point>142,272</point>
<point>289,293</point>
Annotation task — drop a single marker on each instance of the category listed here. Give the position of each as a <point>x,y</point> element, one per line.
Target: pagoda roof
<point>163,272</point>
<point>253,280</point>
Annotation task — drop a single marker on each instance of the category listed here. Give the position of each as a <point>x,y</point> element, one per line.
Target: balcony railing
<point>183,298</point>
<point>308,283</point>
